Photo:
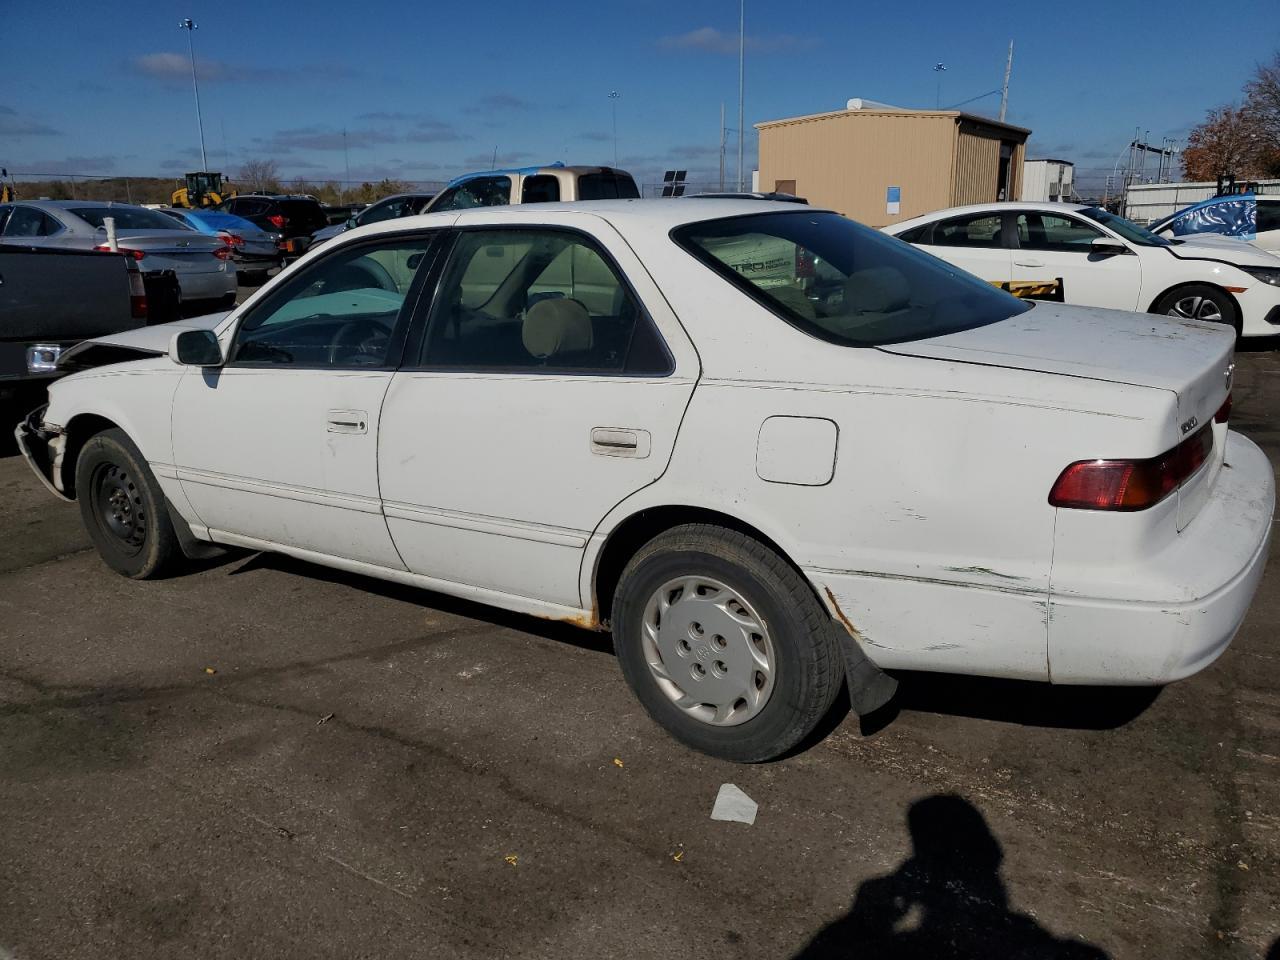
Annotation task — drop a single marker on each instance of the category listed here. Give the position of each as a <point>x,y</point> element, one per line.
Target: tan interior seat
<point>555,327</point>
<point>876,290</point>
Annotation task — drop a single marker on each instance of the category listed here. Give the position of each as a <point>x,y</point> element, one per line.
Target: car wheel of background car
<point>1199,301</point>
<point>724,643</point>
<point>123,508</point>
<point>227,301</point>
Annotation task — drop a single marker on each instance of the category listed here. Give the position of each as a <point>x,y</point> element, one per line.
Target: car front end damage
<point>43,445</point>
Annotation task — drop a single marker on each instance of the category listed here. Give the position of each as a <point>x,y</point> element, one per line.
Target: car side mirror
<point>195,348</point>
<point>1107,247</point>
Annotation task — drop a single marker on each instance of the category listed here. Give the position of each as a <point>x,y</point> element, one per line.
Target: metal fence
<point>1148,202</point>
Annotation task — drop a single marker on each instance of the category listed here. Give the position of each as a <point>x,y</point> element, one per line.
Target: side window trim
<point>408,312</point>
<point>413,355</point>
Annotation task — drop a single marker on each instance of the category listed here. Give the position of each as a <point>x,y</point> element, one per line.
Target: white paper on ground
<point>732,804</point>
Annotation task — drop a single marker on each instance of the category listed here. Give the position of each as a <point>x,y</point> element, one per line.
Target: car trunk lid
<point>1191,359</point>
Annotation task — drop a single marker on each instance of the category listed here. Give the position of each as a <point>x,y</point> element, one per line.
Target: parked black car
<point>295,218</point>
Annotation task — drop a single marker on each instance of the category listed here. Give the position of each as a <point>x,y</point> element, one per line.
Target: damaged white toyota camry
<point>771,450</point>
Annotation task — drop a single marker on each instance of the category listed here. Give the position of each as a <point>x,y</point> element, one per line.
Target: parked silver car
<point>202,263</point>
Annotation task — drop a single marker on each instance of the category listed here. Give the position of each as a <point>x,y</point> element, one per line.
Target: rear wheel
<point>123,508</point>
<point>724,643</point>
<point>1200,301</point>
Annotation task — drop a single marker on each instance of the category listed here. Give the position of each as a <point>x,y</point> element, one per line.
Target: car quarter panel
<point>934,535</point>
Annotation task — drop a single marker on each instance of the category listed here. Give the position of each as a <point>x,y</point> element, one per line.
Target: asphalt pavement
<point>265,758</point>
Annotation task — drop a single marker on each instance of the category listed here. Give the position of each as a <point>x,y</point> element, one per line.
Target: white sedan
<point>603,413</point>
<point>1084,255</point>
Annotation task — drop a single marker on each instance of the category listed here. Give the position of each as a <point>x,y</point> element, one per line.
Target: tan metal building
<point>852,160</point>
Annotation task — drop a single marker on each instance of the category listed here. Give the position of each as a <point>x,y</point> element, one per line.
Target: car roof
<point>68,204</point>
<point>557,167</point>
<point>1045,206</point>
<point>657,213</point>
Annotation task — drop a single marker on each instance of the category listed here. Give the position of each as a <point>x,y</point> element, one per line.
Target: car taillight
<point>1224,411</point>
<point>137,296</point>
<point>804,264</point>
<point>232,239</point>
<point>223,253</point>
<point>277,220</point>
<point>123,251</point>
<point>1130,484</point>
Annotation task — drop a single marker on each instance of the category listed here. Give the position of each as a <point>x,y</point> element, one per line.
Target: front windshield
<point>842,282</point>
<point>1126,228</point>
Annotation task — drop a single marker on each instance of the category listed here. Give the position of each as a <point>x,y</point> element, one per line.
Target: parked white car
<point>1242,216</point>
<point>1084,255</point>
<point>589,412</point>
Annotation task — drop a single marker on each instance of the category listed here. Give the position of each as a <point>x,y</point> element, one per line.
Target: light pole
<point>190,26</point>
<point>742,50</point>
<point>613,102</point>
<point>939,69</point>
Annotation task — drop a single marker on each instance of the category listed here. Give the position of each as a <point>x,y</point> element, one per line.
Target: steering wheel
<point>363,338</point>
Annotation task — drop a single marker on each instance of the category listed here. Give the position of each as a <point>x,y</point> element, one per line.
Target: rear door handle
<point>620,442</point>
<point>348,421</point>
<point>1029,263</point>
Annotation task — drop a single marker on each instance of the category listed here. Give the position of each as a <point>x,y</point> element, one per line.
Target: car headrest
<point>553,327</point>
<point>876,290</point>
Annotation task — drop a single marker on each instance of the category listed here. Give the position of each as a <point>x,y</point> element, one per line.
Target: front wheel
<point>123,508</point>
<point>1200,301</point>
<point>724,644</point>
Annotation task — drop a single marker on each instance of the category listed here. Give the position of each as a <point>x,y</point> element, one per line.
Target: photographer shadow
<point>947,900</point>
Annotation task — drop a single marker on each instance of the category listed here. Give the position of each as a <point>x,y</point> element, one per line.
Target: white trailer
<point>1048,181</point>
<point>1149,202</point>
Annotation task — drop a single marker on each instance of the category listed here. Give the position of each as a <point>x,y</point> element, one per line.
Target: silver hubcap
<point>1196,308</point>
<point>708,650</point>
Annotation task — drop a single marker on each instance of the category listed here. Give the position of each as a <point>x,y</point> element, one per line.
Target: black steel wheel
<point>124,509</point>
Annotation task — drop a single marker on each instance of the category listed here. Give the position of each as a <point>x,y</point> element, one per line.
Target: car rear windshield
<point>304,211</point>
<point>129,218</point>
<point>841,282</point>
<point>607,186</point>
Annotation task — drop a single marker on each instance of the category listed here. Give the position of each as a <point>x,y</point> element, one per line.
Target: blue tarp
<point>1234,216</point>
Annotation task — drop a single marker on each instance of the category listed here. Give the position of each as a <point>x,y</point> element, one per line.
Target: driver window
<point>1046,231</point>
<point>339,312</point>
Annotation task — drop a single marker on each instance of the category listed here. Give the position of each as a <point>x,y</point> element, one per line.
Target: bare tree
<point>1262,103</point>
<point>262,176</point>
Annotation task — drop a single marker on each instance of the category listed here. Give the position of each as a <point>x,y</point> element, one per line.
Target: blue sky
<point>429,90</point>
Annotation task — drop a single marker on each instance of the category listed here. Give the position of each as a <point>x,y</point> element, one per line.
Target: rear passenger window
<point>540,189</point>
<point>1268,216</point>
<point>29,222</point>
<point>982,230</point>
<point>607,186</point>
<point>538,300</point>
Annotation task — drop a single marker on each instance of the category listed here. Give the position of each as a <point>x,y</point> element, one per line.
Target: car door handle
<point>348,421</point>
<point>1029,263</point>
<point>620,442</point>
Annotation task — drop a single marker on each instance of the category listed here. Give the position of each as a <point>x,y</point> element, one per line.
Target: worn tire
<point>809,669</point>
<point>114,481</point>
<point>1226,309</point>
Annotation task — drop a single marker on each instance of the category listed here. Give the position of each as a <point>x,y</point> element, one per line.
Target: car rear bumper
<point>1209,576</point>
<point>208,285</point>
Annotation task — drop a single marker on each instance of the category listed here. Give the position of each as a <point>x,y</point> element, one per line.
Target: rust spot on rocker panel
<point>854,632</point>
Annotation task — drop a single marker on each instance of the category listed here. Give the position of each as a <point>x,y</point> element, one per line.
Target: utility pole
<point>613,101</point>
<point>742,54</point>
<point>346,158</point>
<point>191,27</point>
<point>1004,91</point>
<point>722,146</point>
